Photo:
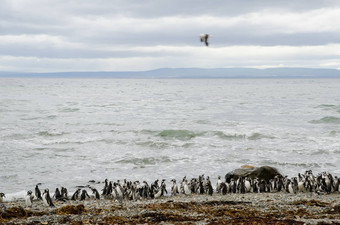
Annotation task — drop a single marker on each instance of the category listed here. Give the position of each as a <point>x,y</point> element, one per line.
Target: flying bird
<point>204,38</point>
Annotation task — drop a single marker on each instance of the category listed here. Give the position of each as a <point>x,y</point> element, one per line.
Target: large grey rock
<point>264,172</point>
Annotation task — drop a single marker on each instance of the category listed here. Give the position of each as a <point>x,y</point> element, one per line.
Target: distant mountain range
<point>192,73</point>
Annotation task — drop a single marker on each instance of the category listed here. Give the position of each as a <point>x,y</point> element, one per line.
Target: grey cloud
<point>101,29</point>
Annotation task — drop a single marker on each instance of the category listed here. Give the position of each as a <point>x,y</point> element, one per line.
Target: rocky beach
<point>249,208</point>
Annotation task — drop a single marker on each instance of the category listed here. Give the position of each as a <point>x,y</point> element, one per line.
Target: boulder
<point>263,173</point>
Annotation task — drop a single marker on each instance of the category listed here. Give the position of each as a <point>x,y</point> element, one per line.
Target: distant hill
<point>193,73</point>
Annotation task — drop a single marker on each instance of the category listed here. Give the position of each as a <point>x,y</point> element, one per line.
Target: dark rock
<point>263,173</point>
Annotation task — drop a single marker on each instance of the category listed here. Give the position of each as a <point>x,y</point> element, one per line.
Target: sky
<point>139,35</point>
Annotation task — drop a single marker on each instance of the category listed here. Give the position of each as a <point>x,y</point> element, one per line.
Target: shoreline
<point>249,208</point>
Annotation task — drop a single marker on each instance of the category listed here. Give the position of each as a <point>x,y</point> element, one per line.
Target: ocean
<point>65,132</point>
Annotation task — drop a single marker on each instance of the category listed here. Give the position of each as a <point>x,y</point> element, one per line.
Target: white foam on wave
<point>15,196</point>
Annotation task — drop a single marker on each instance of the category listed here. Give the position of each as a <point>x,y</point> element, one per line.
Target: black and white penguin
<point>145,192</point>
<point>210,189</point>
<point>29,199</point>
<point>289,187</point>
<point>336,184</point>
<point>47,198</point>
<point>37,192</point>
<point>162,190</point>
<point>64,193</point>
<point>186,188</point>
<point>57,194</point>
<point>279,184</point>
<point>224,188</point>
<point>262,186</point>
<point>204,38</point>
<point>201,185</point>
<point>106,187</point>
<point>301,183</point>
<point>75,195</point>
<point>247,184</point>
<point>96,193</point>
<point>241,185</point>
<point>218,185</point>
<point>119,192</point>
<point>84,195</point>
<point>233,186</point>
<point>174,188</point>
<point>2,196</point>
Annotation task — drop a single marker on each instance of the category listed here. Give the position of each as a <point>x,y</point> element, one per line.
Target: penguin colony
<point>323,183</point>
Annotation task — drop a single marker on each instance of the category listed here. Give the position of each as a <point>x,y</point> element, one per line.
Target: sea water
<point>65,132</point>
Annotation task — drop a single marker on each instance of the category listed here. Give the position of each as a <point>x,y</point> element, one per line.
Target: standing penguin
<point>186,188</point>
<point>37,192</point>
<point>28,199</point>
<point>210,189</point>
<point>262,186</point>
<point>2,195</point>
<point>75,195</point>
<point>174,188</point>
<point>57,194</point>
<point>64,193</point>
<point>241,185</point>
<point>247,184</point>
<point>161,190</point>
<point>47,198</point>
<point>218,185</point>
<point>84,195</point>
<point>96,193</point>
<point>106,188</point>
<point>224,188</point>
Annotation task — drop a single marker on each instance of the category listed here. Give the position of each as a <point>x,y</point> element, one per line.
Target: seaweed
<point>70,209</point>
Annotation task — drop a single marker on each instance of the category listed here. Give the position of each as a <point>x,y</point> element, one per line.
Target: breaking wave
<point>327,120</point>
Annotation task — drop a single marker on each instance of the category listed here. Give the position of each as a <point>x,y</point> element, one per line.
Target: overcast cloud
<point>123,35</point>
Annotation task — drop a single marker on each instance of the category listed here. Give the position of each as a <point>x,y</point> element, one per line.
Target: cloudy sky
<point>132,35</point>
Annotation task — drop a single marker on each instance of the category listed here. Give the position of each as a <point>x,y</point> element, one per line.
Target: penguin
<point>241,185</point>
<point>279,184</point>
<point>164,186</point>
<point>145,190</point>
<point>75,195</point>
<point>29,198</point>
<point>96,193</point>
<point>47,198</point>
<point>57,194</point>
<point>2,208</point>
<point>186,188</point>
<point>233,185</point>
<point>37,192</point>
<point>161,191</point>
<point>84,195</point>
<point>106,187</point>
<point>119,191</point>
<point>301,183</point>
<point>195,186</point>
<point>201,186</point>
<point>2,195</point>
<point>110,189</point>
<point>218,185</point>
<point>289,187</point>
<point>64,193</point>
<point>262,186</point>
<point>174,188</point>
<point>210,189</point>
<point>224,188</point>
<point>247,184</point>
<point>204,38</point>
<point>336,184</point>
<point>255,185</point>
